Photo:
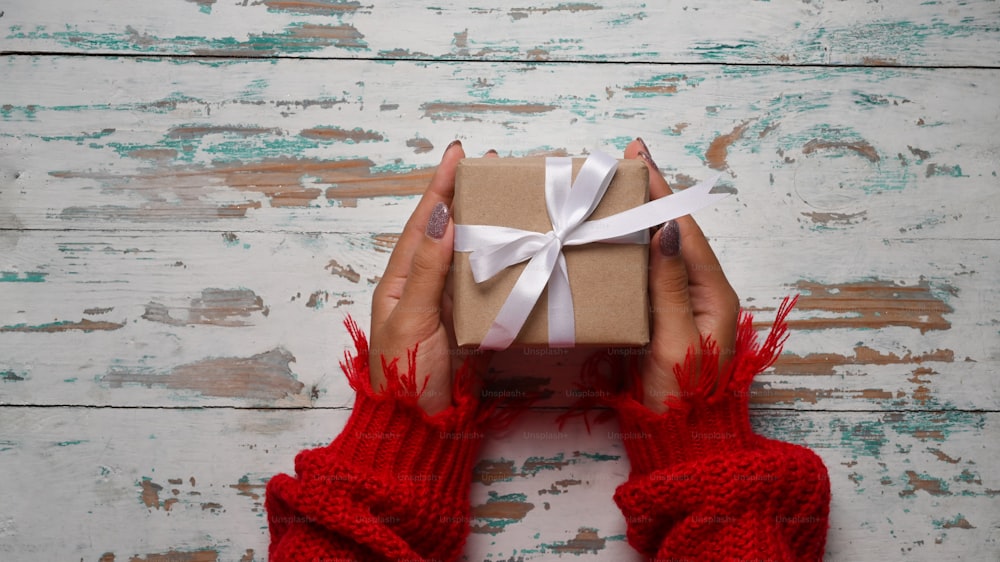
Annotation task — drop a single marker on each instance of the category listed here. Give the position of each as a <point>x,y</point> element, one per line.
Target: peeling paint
<point>84,325</point>
<point>586,541</point>
<point>489,471</point>
<point>827,363</point>
<point>718,151</point>
<point>420,145</point>
<point>216,307</point>
<point>347,272</point>
<point>925,483</point>
<point>317,7</point>
<point>462,111</point>
<point>874,303</point>
<point>859,146</point>
<point>204,555</point>
<point>838,219</point>
<point>500,511</point>
<point>353,136</point>
<point>265,376</point>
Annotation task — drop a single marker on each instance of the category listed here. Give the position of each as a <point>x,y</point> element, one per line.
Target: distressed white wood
<point>154,231</point>
<point>880,153</point>
<point>159,305</point>
<point>914,496</point>
<point>888,32</point>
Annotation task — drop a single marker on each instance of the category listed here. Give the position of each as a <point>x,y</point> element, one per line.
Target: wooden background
<point>195,193</point>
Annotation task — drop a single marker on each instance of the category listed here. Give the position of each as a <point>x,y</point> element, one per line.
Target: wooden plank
<point>295,146</point>
<point>253,319</point>
<point>139,483</point>
<point>890,32</point>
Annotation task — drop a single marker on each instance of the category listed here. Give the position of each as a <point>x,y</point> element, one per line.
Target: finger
<point>440,190</point>
<point>420,303</point>
<point>491,153</point>
<point>658,186</point>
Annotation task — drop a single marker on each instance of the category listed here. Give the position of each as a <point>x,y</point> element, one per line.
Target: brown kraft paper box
<point>608,281</point>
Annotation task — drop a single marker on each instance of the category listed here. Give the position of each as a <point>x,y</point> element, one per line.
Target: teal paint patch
<point>620,142</point>
<point>627,19</point>
<point>599,457</point>
<point>937,426</point>
<point>866,438</point>
<point>533,465</point>
<point>79,139</point>
<point>297,38</point>
<point>713,52</point>
<point>895,41</point>
<point>68,443</point>
<point>7,445</point>
<point>871,101</point>
<point>11,376</point>
<point>9,112</point>
<point>958,521</point>
<point>27,277</point>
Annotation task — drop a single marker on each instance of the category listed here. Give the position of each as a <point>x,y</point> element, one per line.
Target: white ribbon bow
<point>569,204</point>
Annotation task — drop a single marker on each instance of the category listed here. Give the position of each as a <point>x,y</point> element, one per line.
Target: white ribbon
<point>569,204</point>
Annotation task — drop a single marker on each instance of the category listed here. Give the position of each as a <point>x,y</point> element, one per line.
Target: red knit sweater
<point>394,485</point>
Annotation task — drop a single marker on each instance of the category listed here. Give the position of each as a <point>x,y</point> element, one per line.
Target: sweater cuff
<point>680,435</point>
<point>711,417</point>
<point>392,440</point>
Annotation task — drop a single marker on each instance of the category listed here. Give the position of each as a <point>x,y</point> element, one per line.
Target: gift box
<point>607,281</point>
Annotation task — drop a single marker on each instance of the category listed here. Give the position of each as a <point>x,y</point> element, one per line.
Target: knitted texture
<point>703,486</point>
<point>392,486</point>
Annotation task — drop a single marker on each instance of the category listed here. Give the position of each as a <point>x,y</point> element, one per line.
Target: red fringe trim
<point>609,378</point>
<point>490,413</point>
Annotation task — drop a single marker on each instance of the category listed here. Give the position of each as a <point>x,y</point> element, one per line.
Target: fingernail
<point>453,143</point>
<point>670,239</point>
<point>438,222</point>
<point>643,143</point>
<point>648,159</point>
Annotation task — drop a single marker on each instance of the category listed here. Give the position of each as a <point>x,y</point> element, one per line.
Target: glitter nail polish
<point>670,239</point>
<point>438,222</point>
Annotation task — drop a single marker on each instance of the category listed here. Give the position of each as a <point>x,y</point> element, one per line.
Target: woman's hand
<point>690,295</point>
<point>410,307</point>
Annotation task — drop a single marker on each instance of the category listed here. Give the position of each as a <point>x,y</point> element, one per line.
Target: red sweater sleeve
<point>703,485</point>
<point>394,485</point>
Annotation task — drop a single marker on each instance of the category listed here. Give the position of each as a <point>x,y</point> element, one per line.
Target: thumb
<point>674,330</point>
<point>421,298</point>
